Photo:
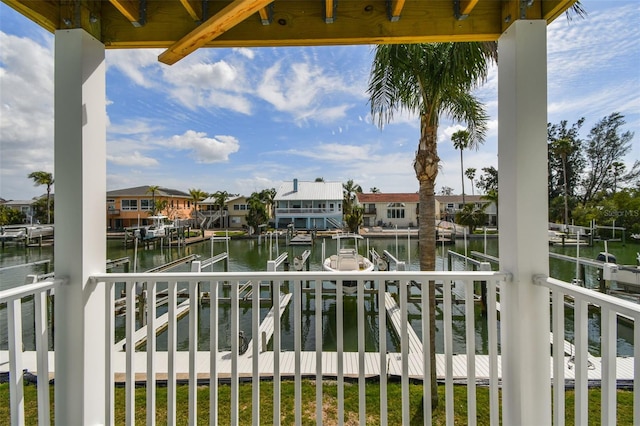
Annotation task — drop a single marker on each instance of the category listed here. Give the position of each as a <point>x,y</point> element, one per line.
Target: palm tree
<point>430,80</point>
<point>563,148</point>
<point>152,189</point>
<point>492,196</point>
<point>268,196</point>
<point>197,195</point>
<point>44,178</point>
<point>220,198</point>
<point>374,190</point>
<point>470,173</point>
<point>617,169</point>
<point>461,140</point>
<point>349,190</point>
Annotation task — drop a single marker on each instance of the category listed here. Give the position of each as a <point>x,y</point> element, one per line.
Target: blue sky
<point>242,120</point>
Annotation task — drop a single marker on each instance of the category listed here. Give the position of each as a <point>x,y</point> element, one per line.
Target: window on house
<point>146,204</point>
<point>395,211</point>
<point>129,204</point>
<point>111,204</point>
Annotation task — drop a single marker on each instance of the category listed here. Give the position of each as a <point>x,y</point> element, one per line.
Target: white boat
<point>158,229</point>
<point>347,260</point>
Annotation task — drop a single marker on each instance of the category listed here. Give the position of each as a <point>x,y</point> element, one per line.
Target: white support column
<point>522,166</point>
<point>80,211</point>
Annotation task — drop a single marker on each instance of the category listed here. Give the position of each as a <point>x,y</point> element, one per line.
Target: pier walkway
<point>624,366</point>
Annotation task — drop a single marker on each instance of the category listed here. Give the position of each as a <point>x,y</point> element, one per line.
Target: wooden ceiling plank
<point>129,9</point>
<point>395,9</point>
<point>193,8</point>
<point>227,18</point>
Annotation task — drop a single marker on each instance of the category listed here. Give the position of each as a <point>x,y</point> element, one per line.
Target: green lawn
<point>625,404</point>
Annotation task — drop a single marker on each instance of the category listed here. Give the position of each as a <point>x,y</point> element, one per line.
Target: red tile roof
<point>388,198</point>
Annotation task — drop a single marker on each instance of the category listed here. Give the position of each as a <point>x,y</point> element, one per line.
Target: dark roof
<point>140,191</point>
<point>397,197</point>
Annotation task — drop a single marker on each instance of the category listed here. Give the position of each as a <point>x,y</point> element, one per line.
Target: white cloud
<point>140,65</point>
<point>204,149</point>
<point>247,53</point>
<point>133,159</point>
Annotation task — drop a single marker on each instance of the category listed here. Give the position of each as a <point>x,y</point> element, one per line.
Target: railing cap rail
<point>306,275</point>
<point>616,304</point>
<point>29,289</point>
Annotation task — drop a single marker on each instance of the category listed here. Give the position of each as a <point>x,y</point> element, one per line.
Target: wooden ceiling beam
<point>463,8</point>
<point>227,18</point>
<point>329,11</point>
<point>44,13</point>
<point>193,8</point>
<point>130,9</point>
<point>551,9</point>
<point>395,9</point>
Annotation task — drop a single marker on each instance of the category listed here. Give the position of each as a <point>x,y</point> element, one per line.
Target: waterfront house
<point>394,209</point>
<point>447,206</point>
<point>233,215</point>
<point>309,205</point>
<point>23,206</point>
<point>133,206</point>
<point>85,359</point>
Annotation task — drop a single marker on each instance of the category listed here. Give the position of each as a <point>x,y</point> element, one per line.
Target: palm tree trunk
<point>426,168</point>
<point>462,174</point>
<point>48,204</point>
<point>566,204</point>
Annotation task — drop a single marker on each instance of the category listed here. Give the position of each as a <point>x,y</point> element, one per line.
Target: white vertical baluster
<point>193,349</point>
<point>256,339</point>
<point>636,370</point>
<point>235,336</point>
<point>109,336</point>
<point>448,352</point>
<point>609,351</point>
<point>581,368</point>
<point>297,336</point>
<point>319,314</point>
<point>382,342</point>
<point>558,358</point>
<point>276,351</point>
<point>213,353</point>
<point>426,352</point>
<point>361,351</point>
<point>340,349</point>
<point>171,353</point>
<point>492,322</point>
<point>404,349</point>
<point>42,352</point>
<point>16,391</point>
<point>130,328</point>
<point>471,352</point>
<point>151,353</point>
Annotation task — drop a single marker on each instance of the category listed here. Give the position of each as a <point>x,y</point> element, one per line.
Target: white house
<point>309,205</point>
<point>394,209</point>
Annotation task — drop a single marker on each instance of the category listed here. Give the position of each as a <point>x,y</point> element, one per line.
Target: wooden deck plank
<point>393,312</point>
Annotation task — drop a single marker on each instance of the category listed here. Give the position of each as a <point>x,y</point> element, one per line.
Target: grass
<point>624,408</point>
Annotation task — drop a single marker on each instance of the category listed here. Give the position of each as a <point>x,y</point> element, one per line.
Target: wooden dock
<point>265,330</point>
<point>393,312</point>
<point>624,366</point>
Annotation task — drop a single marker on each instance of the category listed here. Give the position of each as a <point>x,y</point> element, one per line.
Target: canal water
<point>249,255</point>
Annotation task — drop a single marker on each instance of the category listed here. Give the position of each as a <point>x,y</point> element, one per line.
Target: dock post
<point>484,266</point>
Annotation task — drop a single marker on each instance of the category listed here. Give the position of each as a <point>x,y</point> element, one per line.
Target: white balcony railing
<point>306,210</point>
<point>401,294</point>
<point>610,309</point>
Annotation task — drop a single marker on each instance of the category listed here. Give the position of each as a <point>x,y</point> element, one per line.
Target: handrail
<point>301,275</point>
<point>29,289</point>
<point>604,300</point>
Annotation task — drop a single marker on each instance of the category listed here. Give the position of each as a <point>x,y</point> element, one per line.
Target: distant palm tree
<point>349,190</point>
<point>374,190</point>
<point>319,179</point>
<point>152,189</point>
<point>220,199</point>
<point>563,148</point>
<point>197,195</point>
<point>44,178</point>
<point>470,173</point>
<point>462,140</point>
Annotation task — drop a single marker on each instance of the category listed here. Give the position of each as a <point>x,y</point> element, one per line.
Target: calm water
<point>248,255</point>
